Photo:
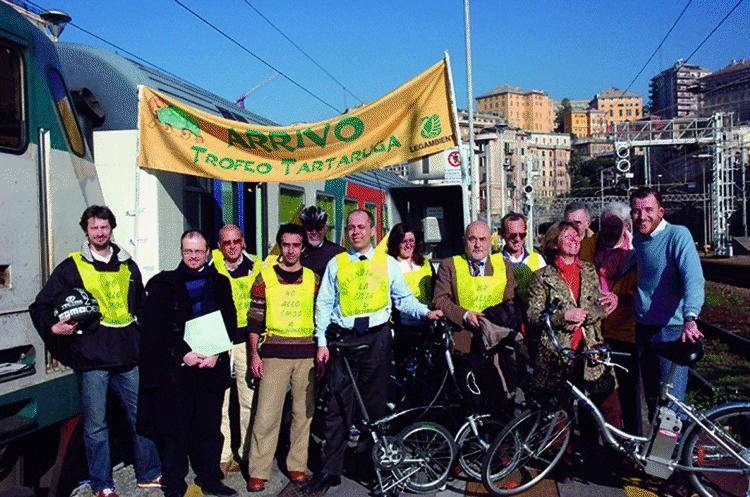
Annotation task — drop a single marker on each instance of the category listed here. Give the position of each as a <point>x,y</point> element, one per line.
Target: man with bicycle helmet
<point>319,250</point>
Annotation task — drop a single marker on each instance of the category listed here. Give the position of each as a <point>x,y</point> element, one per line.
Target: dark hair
<point>644,192</point>
<point>549,243</point>
<point>578,206</point>
<point>294,229</point>
<point>396,236</point>
<point>99,212</point>
<point>369,216</point>
<point>511,216</point>
<point>194,233</point>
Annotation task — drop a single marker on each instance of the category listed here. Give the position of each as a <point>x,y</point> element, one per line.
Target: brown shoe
<point>298,476</point>
<point>256,485</point>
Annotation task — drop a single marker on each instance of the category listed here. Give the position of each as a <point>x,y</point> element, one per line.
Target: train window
<point>372,208</point>
<point>290,204</point>
<point>67,112</point>
<point>327,203</point>
<point>228,202</point>
<point>384,217</point>
<point>198,204</point>
<point>12,112</point>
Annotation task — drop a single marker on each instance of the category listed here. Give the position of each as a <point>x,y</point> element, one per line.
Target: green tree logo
<point>430,126</point>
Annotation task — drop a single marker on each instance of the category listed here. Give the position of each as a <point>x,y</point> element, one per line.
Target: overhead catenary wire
<point>303,51</point>
<point>711,33</point>
<point>256,56</point>
<point>656,50</point>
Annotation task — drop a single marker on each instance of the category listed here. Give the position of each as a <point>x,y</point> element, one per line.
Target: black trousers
<point>371,368</point>
<point>188,426</point>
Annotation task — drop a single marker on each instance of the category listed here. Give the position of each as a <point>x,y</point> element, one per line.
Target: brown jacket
<point>446,297</point>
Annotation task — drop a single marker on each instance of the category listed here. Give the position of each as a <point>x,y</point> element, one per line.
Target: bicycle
<point>714,448</point>
<point>479,424</point>
<point>419,458</point>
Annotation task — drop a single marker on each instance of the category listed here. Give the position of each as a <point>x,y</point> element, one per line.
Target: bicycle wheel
<point>526,451</point>
<point>471,446</point>
<point>715,471</point>
<point>429,452</point>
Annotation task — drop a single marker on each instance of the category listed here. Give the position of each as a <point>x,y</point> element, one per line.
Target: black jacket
<point>317,258</point>
<point>104,348</point>
<point>166,310</point>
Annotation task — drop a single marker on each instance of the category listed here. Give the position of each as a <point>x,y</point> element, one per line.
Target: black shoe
<point>321,483</point>
<point>218,489</point>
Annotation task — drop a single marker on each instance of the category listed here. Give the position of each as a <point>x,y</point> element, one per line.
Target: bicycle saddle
<point>683,354</point>
<point>349,347</point>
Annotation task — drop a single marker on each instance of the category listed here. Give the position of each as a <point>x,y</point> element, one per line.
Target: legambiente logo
<point>430,126</point>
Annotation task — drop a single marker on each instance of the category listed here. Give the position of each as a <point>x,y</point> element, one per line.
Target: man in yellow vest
<point>282,311</point>
<point>104,354</point>
<point>524,263</point>
<point>354,306</point>
<point>231,260</point>
<point>469,283</point>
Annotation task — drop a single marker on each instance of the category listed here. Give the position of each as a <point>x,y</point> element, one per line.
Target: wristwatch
<point>690,318</point>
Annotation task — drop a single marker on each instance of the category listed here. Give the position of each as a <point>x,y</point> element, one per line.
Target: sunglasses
<point>315,227</point>
<point>228,243</point>
<point>521,236</point>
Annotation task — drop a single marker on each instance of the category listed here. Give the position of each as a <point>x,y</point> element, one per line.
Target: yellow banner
<point>410,122</point>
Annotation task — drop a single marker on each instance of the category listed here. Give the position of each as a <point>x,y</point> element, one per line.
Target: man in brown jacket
<point>469,283</point>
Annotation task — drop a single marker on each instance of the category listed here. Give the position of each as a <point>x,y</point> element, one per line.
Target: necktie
<point>476,267</point>
<point>363,323</point>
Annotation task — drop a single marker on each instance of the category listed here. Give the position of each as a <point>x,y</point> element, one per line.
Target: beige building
<point>618,106</point>
<point>551,153</point>
<point>531,110</point>
<point>585,123</point>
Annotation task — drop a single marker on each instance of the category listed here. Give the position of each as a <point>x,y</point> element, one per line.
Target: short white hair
<point>620,210</point>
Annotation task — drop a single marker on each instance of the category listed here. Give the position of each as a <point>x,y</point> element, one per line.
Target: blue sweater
<point>670,277</point>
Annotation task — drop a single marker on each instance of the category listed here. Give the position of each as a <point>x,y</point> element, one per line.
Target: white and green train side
<point>47,178</point>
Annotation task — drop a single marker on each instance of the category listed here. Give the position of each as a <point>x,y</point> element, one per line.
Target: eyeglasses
<point>315,227</point>
<point>513,236</point>
<point>193,252</point>
<point>228,243</point>
<point>408,243</point>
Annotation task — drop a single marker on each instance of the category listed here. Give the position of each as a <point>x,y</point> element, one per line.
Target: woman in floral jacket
<point>575,285</point>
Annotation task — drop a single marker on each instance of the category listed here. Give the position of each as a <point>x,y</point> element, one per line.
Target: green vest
<point>240,285</point>
<point>522,274</point>
<point>364,287</point>
<point>476,293</point>
<point>110,289</point>
<point>289,308</point>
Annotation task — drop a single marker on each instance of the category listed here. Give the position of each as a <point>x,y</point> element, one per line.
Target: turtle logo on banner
<point>430,126</point>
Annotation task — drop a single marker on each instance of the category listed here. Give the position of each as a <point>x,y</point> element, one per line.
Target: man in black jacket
<point>106,355</point>
<point>182,390</point>
<point>319,251</point>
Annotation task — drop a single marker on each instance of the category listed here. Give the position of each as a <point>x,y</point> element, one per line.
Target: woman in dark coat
<point>181,390</point>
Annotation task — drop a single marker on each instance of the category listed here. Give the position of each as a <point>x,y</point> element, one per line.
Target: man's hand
<point>472,319</point>
<point>256,365</point>
<point>435,315</point>
<point>193,359</point>
<point>321,357</point>
<point>575,316</point>
<point>609,302</point>
<point>209,362</point>
<point>64,327</point>
<point>690,332</point>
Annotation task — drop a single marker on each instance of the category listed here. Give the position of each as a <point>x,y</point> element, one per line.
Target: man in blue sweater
<point>670,290</point>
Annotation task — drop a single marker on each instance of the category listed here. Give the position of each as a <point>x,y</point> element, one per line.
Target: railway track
<point>738,343</point>
<point>724,271</point>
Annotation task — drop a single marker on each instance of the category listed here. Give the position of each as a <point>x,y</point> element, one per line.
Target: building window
<point>350,205</point>
<point>12,113</point>
<point>328,204</point>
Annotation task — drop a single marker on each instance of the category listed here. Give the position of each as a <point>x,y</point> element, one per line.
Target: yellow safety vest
<point>476,293</point>
<point>240,285</point>
<point>420,282</point>
<point>522,274</point>
<point>289,308</point>
<point>110,289</point>
<point>364,286</point>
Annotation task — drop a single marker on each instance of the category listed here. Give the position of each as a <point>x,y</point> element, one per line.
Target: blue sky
<point>567,48</point>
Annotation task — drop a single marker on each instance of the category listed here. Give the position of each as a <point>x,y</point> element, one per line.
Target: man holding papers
<point>188,320</point>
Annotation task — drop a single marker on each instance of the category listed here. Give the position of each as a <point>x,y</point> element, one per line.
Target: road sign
<point>453,167</point>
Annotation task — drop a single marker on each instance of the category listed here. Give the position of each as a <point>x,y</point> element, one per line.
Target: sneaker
<point>155,483</point>
<point>107,492</point>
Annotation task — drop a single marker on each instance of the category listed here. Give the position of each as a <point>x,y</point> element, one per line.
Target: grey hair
<point>577,206</point>
<point>617,209</point>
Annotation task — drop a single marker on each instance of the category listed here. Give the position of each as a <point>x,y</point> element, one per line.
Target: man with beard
<point>319,250</point>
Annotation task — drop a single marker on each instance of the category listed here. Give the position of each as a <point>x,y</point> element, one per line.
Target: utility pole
<point>472,160</point>
<point>502,173</point>
<point>488,178</point>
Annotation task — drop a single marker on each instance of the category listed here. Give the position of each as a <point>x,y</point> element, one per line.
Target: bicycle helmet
<point>313,214</point>
<point>80,306</point>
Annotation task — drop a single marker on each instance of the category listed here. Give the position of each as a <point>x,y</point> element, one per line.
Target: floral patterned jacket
<point>545,287</point>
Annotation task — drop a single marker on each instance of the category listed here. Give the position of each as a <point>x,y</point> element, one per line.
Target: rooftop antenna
<point>56,21</point>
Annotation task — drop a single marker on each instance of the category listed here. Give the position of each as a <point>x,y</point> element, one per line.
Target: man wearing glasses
<point>319,250</point>
<point>231,260</point>
<point>523,262</point>
<point>183,390</point>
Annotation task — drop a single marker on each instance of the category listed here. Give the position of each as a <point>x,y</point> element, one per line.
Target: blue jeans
<point>654,368</point>
<point>94,386</point>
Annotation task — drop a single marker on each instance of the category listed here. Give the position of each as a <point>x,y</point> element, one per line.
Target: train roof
<point>114,80</point>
